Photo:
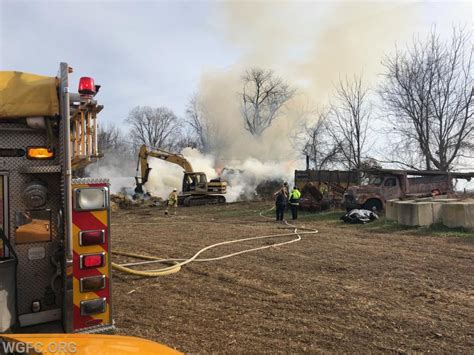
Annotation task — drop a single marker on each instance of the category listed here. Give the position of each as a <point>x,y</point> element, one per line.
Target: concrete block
<point>437,212</point>
<point>458,214</point>
<point>411,213</point>
<point>406,213</point>
<point>424,211</point>
<point>391,210</point>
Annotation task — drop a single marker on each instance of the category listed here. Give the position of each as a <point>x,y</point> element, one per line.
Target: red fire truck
<point>55,264</point>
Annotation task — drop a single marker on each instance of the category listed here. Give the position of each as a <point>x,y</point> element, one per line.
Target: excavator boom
<point>144,167</point>
<point>177,159</point>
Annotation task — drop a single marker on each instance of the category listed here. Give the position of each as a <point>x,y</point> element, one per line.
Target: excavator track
<point>201,200</point>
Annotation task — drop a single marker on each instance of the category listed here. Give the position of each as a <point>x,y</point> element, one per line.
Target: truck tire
<point>373,203</point>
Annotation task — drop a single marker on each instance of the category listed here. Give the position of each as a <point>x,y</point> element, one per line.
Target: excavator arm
<point>143,168</point>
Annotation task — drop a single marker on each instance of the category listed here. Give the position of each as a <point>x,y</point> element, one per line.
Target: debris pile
<point>265,189</point>
<point>125,200</point>
<point>312,199</point>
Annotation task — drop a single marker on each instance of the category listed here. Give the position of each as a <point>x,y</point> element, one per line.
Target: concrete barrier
<point>391,210</point>
<point>458,214</point>
<point>437,206</point>
<point>425,212</point>
<point>418,213</point>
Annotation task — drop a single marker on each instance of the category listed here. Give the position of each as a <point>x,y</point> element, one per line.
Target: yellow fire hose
<point>149,273</point>
<point>178,263</point>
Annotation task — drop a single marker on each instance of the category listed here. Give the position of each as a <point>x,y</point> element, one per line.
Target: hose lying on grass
<point>178,263</point>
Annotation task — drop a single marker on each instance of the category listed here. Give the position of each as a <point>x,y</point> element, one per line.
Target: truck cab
<point>374,193</point>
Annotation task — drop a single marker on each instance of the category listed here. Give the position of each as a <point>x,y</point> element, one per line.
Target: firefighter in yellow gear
<point>294,201</point>
<point>172,201</point>
<point>323,188</point>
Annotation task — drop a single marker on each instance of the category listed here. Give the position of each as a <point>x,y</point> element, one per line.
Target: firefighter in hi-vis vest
<point>172,201</point>
<point>294,202</point>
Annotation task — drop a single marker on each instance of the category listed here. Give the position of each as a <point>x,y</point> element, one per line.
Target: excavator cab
<point>195,183</point>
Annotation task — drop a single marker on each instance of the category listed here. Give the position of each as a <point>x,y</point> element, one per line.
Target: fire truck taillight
<point>91,261</point>
<point>86,86</point>
<point>93,283</point>
<point>39,153</point>
<point>91,237</point>
<point>95,306</point>
<point>91,199</point>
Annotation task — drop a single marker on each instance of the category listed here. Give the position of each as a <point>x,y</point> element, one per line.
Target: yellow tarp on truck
<point>27,95</point>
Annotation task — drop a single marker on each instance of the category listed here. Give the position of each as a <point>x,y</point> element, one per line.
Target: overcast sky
<point>148,52</point>
<point>142,53</point>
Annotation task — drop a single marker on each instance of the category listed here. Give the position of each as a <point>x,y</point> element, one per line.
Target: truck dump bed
<point>427,184</point>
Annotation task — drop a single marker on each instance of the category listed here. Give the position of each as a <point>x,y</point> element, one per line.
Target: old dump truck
<point>55,273</point>
<point>196,190</point>
<point>386,184</point>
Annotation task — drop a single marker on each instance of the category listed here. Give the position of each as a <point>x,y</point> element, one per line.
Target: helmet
<point>175,189</point>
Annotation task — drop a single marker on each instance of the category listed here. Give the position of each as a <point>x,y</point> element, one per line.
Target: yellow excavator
<point>196,190</point>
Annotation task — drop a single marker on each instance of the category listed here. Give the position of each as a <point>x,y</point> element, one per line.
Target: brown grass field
<point>372,288</point>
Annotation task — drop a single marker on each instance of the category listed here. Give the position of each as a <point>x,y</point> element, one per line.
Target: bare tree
<point>186,139</point>
<point>155,127</point>
<point>428,95</point>
<point>199,123</point>
<point>263,95</point>
<point>118,154</point>
<point>319,146</point>
<point>109,137</point>
<point>111,140</point>
<point>348,122</point>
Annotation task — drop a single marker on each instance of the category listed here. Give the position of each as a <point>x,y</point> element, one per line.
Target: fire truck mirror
<point>33,226</point>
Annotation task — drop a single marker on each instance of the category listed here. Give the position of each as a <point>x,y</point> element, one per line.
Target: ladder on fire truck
<point>84,128</point>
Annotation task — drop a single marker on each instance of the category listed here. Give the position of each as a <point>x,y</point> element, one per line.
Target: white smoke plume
<point>244,181</point>
<point>311,45</point>
<point>119,170</point>
<point>242,176</point>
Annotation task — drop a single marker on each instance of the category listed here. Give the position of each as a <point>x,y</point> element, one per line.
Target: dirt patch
<point>344,289</point>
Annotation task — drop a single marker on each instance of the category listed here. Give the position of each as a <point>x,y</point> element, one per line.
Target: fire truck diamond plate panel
<point>35,271</point>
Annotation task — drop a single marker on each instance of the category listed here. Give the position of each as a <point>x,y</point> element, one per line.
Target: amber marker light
<point>39,153</point>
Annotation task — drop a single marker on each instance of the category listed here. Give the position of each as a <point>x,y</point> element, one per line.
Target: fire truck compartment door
<point>27,95</point>
<point>7,287</point>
